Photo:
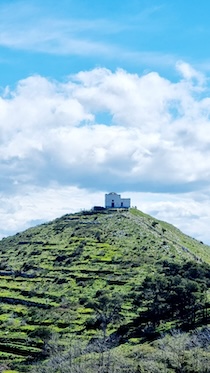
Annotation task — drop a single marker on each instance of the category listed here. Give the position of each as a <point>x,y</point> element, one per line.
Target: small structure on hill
<point>114,200</point>
<point>98,208</point>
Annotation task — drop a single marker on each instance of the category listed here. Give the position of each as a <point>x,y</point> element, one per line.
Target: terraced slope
<point>83,274</point>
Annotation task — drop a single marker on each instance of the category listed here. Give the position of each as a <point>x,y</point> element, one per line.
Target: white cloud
<point>157,139</point>
<point>190,212</point>
<point>189,73</point>
<point>33,205</point>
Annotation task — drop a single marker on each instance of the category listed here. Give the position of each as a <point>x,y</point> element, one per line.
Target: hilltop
<point>119,277</point>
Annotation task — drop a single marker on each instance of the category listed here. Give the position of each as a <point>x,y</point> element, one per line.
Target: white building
<point>114,200</point>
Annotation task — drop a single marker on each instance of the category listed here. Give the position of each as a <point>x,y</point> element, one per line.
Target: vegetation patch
<point>103,291</point>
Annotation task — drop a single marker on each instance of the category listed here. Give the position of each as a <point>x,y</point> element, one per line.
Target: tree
<point>173,297</point>
<point>107,308</point>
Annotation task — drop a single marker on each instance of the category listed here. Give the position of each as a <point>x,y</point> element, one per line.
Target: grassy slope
<point>50,274</point>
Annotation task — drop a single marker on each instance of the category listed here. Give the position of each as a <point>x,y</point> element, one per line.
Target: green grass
<point>66,263</point>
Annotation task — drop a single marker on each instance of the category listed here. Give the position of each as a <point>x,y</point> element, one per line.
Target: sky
<point>102,96</point>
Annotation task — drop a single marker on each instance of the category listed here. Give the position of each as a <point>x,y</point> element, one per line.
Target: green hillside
<point>118,277</point>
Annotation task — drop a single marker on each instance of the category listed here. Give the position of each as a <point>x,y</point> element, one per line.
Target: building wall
<point>114,200</point>
<point>126,202</point>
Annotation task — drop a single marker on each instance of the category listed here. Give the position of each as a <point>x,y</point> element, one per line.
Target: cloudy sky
<point>100,96</point>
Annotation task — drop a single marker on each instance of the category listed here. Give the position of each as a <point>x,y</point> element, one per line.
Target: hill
<point>114,278</point>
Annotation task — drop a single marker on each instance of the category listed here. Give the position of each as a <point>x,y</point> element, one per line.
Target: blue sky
<point>57,39</point>
<point>105,96</point>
